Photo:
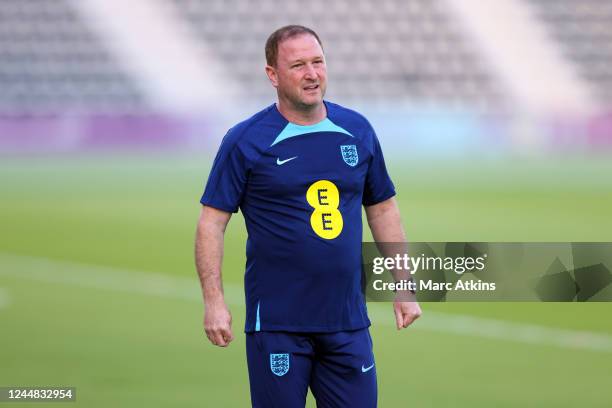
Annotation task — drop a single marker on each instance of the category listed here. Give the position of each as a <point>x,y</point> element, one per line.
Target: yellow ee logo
<point>326,220</point>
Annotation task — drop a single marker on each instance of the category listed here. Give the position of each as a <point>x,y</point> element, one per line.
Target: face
<point>300,75</point>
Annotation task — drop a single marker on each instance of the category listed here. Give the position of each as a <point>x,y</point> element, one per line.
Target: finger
<point>219,340</point>
<point>398,319</point>
<point>409,318</point>
<point>215,336</point>
<point>210,336</point>
<point>227,334</point>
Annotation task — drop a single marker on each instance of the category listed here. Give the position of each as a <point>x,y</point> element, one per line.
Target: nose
<point>310,73</point>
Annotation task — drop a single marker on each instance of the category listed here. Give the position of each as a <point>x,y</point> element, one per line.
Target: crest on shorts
<point>279,363</point>
<point>349,154</point>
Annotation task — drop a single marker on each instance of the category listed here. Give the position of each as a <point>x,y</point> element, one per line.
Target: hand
<point>406,313</point>
<point>218,324</point>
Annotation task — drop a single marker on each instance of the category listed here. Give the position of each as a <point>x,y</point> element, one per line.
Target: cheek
<point>295,84</point>
<point>289,80</point>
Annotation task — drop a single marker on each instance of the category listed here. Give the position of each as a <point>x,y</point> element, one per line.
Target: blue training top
<point>300,189</point>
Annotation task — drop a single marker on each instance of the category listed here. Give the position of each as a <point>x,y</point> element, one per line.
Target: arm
<point>208,258</point>
<point>386,226</point>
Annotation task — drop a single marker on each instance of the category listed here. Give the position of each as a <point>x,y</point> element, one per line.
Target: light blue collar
<point>291,130</point>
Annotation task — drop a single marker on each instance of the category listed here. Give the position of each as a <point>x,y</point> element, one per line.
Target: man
<point>300,170</point>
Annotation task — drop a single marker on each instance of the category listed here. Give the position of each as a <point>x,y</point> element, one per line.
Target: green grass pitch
<point>98,288</point>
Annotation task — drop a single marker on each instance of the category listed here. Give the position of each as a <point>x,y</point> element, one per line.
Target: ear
<point>272,75</point>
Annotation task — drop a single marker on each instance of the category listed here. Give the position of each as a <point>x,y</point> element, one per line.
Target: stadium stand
<point>387,51</point>
<point>50,62</point>
<point>454,75</point>
<point>583,30</point>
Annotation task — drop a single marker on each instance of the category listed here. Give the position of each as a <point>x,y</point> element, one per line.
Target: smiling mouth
<point>311,87</point>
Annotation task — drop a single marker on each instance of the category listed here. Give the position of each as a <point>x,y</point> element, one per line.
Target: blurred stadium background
<point>495,118</point>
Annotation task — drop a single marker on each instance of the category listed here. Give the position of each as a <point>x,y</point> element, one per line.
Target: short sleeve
<point>227,179</point>
<point>378,185</point>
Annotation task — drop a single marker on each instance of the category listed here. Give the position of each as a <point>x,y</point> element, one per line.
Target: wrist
<point>214,299</point>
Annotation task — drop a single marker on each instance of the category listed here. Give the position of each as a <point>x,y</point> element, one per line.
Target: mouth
<point>311,88</point>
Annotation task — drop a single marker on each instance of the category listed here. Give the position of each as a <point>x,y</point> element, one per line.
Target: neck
<point>304,116</point>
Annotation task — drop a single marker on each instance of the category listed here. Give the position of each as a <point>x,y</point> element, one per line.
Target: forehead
<point>298,47</point>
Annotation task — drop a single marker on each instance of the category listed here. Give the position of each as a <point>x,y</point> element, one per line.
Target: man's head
<point>296,66</point>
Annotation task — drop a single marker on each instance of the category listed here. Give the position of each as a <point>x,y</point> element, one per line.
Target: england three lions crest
<point>349,154</point>
<point>279,363</point>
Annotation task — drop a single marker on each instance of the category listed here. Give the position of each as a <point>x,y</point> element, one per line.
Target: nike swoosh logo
<point>281,162</point>
<point>366,369</point>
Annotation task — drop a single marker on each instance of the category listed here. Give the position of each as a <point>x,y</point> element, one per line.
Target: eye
<point>298,65</point>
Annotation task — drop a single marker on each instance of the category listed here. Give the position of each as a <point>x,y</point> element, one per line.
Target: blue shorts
<point>338,367</point>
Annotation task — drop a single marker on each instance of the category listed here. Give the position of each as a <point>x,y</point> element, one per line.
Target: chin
<point>312,101</point>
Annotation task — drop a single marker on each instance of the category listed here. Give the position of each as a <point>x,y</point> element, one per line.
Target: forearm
<point>209,255</point>
<point>385,222</point>
<point>386,226</point>
<point>209,258</point>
